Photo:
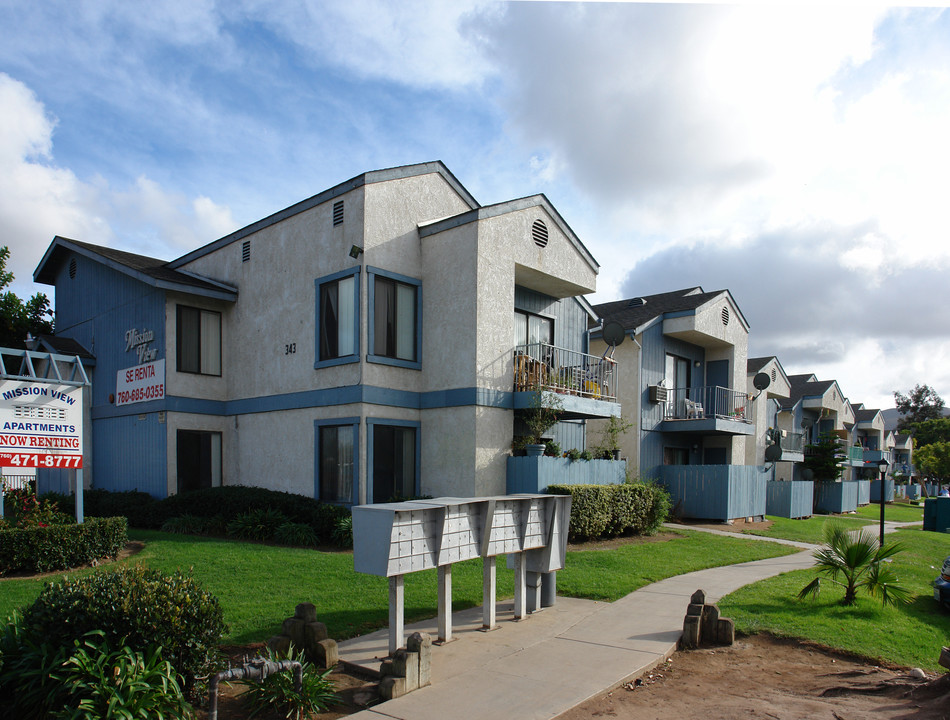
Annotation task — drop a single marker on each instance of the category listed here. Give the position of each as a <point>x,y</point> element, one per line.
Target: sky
<point>797,156</point>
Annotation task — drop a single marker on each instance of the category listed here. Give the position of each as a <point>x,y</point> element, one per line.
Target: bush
<point>60,547</point>
<point>276,692</point>
<point>145,607</point>
<point>343,532</point>
<point>610,510</point>
<point>138,507</point>
<point>194,525</point>
<point>258,524</point>
<point>300,534</point>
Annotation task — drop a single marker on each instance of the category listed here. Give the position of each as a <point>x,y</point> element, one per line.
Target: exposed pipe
<point>256,669</point>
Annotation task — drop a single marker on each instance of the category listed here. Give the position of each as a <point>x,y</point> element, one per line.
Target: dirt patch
<point>611,543</point>
<point>763,676</point>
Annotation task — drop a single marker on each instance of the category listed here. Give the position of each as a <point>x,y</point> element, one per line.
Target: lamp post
<point>882,466</point>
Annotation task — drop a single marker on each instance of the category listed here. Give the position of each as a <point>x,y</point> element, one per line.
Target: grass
<point>259,585</point>
<point>894,512</point>
<point>809,530</point>
<point>908,635</point>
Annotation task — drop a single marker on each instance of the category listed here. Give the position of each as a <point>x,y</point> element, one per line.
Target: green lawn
<point>259,585</point>
<point>909,635</point>
<point>896,512</point>
<point>808,530</point>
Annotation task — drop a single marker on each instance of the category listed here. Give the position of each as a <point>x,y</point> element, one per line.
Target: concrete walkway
<point>555,659</point>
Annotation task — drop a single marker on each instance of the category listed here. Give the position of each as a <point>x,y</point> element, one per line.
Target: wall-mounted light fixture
<point>355,251</point>
<point>697,363</point>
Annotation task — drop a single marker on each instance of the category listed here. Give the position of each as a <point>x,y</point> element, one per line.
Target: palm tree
<point>856,560</point>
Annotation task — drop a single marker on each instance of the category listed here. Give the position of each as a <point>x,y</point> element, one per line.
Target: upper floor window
<point>396,319</point>
<point>531,329</point>
<point>337,322</point>
<point>199,341</point>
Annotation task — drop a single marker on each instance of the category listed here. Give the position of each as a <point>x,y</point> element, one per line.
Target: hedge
<point>611,510</point>
<point>60,547</point>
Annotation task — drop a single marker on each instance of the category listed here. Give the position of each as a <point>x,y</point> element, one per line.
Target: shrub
<point>22,509</point>
<point>257,524</point>
<point>343,532</point>
<point>276,692</point>
<point>194,525</point>
<point>611,510</point>
<point>60,547</point>
<point>138,507</point>
<point>146,607</point>
<point>574,454</point>
<point>291,533</point>
<point>552,449</point>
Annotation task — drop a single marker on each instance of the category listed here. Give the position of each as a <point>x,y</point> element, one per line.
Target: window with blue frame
<point>337,446</point>
<point>395,320</point>
<point>338,318</point>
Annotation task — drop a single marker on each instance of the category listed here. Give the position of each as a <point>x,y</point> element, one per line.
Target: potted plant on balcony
<point>543,414</point>
<point>613,430</point>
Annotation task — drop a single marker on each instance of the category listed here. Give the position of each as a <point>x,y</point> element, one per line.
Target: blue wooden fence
<point>715,492</point>
<point>836,497</point>
<point>534,474</point>
<point>790,499</point>
<point>864,492</point>
<point>876,491</point>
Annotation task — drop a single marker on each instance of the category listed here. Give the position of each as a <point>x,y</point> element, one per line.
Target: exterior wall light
<point>355,251</point>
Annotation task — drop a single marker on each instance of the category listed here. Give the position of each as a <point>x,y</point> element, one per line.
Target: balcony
<point>540,366</point>
<point>793,446</point>
<point>856,456</point>
<point>708,410</point>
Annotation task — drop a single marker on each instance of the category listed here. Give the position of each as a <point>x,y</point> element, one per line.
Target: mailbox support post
<point>520,589</point>
<point>445,603</point>
<point>397,606</point>
<point>488,592</point>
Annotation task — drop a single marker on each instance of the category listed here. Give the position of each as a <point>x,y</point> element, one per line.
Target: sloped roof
<point>64,346</point>
<point>754,365</point>
<point>149,270</point>
<point>865,415</point>
<point>632,313</point>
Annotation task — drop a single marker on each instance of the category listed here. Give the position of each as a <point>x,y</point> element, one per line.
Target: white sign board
<point>140,383</point>
<point>40,425</point>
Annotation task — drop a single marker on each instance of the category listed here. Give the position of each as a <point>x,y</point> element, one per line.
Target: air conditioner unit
<point>658,393</point>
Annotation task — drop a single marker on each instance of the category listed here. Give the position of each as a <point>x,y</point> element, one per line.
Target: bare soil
<point>766,677</point>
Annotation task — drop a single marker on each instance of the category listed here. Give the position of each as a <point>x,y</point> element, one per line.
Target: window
<point>336,462</point>
<point>395,322</point>
<point>394,453</point>
<point>199,460</point>
<point>199,341</point>
<point>337,322</point>
<point>531,329</point>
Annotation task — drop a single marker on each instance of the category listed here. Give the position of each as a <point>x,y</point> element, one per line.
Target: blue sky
<point>796,156</point>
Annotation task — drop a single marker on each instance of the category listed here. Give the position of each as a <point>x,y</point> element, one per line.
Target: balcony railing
<point>540,366</point>
<point>855,453</point>
<point>708,402</point>
<point>792,442</point>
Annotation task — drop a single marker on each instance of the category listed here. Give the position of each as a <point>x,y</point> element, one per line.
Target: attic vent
<point>773,374</point>
<point>337,213</point>
<point>725,315</point>
<point>246,251</point>
<point>539,232</point>
<point>72,269</point>
<point>637,302</point>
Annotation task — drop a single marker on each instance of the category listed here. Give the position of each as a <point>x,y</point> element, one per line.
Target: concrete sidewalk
<point>555,659</point>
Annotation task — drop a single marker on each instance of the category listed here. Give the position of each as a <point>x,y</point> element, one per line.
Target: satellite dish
<point>761,381</point>
<point>773,453</point>
<point>613,333</point>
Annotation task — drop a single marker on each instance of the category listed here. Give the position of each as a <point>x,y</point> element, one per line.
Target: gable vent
<point>337,213</point>
<point>725,315</point>
<point>539,233</point>
<point>637,302</point>
<point>72,269</point>
<point>246,251</point>
<point>773,374</point>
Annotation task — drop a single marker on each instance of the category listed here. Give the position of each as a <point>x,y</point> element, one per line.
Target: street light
<point>882,466</point>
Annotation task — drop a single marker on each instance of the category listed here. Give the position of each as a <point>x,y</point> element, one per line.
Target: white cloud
<point>39,200</point>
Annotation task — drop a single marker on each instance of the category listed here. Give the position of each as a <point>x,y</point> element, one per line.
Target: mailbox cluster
<point>394,539</point>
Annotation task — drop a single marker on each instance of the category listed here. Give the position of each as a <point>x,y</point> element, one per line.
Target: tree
<point>855,560</point>
<point>929,432</point>
<point>934,459</point>
<point>922,403</point>
<point>17,318</point>
<point>824,457</point>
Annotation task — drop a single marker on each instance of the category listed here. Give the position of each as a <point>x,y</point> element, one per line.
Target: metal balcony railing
<point>855,453</point>
<point>792,442</point>
<point>540,366</point>
<point>706,402</point>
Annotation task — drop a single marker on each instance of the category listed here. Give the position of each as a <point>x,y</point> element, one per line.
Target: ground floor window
<point>199,459</point>
<point>395,461</point>
<point>675,456</point>
<point>336,463</point>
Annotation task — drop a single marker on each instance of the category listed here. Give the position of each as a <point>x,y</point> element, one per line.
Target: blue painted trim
<point>333,277</point>
<point>678,313</point>
<point>370,424</point>
<point>348,395</point>
<point>380,359</point>
<point>354,422</point>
